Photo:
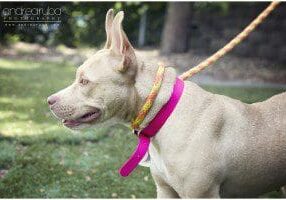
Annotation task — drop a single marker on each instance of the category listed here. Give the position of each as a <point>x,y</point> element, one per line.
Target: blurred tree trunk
<point>142,29</point>
<point>176,28</point>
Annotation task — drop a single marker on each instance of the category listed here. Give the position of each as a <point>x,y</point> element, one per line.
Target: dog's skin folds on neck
<point>211,145</point>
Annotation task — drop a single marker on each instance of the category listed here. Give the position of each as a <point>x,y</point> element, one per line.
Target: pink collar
<point>152,129</point>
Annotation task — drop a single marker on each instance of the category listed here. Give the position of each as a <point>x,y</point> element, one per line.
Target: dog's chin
<point>84,121</point>
<point>80,127</point>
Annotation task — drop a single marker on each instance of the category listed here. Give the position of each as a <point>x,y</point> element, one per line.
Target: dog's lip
<point>86,118</point>
<point>70,123</point>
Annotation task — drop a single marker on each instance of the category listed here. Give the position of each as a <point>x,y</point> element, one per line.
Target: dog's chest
<point>159,167</point>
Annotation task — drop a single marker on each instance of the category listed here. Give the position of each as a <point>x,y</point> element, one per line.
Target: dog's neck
<point>145,77</point>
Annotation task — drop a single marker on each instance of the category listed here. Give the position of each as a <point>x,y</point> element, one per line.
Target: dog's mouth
<point>86,118</point>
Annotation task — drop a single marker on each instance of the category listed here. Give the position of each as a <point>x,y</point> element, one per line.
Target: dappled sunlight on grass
<point>11,115</point>
<point>17,102</point>
<point>15,65</point>
<point>23,107</point>
<point>24,128</point>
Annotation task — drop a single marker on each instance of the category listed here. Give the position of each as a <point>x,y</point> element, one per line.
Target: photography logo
<point>31,17</point>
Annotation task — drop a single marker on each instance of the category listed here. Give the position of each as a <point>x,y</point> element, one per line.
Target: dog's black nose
<point>52,100</point>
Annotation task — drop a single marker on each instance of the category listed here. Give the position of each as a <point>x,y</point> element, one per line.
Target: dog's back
<point>273,111</point>
<point>258,150</point>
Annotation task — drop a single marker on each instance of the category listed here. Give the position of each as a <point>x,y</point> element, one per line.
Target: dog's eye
<point>84,81</point>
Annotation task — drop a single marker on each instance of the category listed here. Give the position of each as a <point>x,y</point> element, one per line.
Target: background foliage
<point>83,23</point>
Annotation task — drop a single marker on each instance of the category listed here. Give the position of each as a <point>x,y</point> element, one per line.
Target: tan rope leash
<point>235,41</point>
<point>135,124</point>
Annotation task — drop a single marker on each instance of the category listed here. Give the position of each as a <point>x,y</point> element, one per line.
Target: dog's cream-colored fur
<point>211,146</point>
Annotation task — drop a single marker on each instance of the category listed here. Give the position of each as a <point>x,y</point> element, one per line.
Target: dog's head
<point>103,83</point>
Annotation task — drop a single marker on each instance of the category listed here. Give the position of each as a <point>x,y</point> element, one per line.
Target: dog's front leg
<point>164,191</point>
<point>201,184</point>
<point>201,193</point>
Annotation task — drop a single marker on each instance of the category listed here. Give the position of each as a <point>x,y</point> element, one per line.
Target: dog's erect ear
<point>108,26</point>
<point>120,44</point>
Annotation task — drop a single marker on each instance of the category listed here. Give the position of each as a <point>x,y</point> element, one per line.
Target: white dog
<point>211,146</point>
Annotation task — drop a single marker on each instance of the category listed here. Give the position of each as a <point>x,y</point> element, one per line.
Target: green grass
<point>44,159</point>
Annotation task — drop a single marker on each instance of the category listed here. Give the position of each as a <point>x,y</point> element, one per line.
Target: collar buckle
<point>136,132</point>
